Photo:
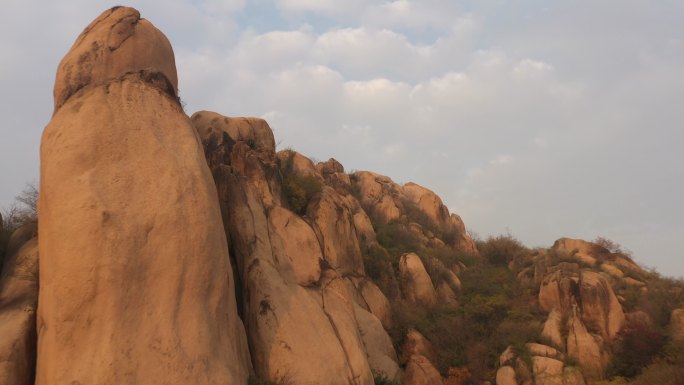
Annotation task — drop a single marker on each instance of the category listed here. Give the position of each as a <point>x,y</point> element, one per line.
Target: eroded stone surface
<point>135,279</point>
<point>18,302</point>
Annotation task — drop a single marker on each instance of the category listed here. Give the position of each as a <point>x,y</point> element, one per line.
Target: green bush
<point>502,249</point>
<point>23,212</point>
<point>396,238</point>
<point>660,373</point>
<point>637,345</point>
<point>298,190</point>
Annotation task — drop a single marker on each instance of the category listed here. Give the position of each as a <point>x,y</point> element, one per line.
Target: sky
<point>540,119</point>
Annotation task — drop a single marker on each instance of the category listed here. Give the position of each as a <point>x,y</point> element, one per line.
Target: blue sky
<point>542,118</point>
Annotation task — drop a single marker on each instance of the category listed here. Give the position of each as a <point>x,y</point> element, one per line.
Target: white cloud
<point>325,7</point>
<point>515,116</point>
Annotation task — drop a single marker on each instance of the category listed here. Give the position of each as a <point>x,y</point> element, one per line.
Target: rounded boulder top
<point>118,42</point>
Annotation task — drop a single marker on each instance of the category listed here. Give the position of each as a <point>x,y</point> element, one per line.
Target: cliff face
<point>178,250</point>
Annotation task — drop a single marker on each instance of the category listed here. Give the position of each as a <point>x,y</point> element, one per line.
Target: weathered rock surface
<point>418,286</point>
<point>416,343</point>
<point>302,329</point>
<point>18,301</point>
<point>507,357</point>
<point>544,351</point>
<point>381,355</point>
<point>296,250</point>
<point>677,324</point>
<point>547,371</point>
<point>377,302</point>
<point>339,307</point>
<point>446,295</point>
<point>333,174</point>
<point>582,250</point>
<point>612,270</point>
<point>334,224</point>
<point>601,310</point>
<point>586,349</point>
<point>553,329</point>
<point>135,280</point>
<point>506,376</point>
<point>116,43</point>
<point>420,371</point>
<point>558,290</point>
<point>253,131</point>
<point>633,282</point>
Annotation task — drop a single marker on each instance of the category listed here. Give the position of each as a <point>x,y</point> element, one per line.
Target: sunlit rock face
<point>135,280</point>
<point>311,315</point>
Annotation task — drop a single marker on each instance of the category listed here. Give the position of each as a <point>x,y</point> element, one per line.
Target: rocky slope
<point>177,250</point>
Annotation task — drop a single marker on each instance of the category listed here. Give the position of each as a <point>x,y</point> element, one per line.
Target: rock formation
<point>311,316</point>
<point>416,343</point>
<point>601,311</point>
<point>548,368</point>
<point>505,375</point>
<point>419,371</point>
<point>386,201</point>
<point>18,301</point>
<point>178,250</point>
<point>135,280</point>
<point>418,287</point>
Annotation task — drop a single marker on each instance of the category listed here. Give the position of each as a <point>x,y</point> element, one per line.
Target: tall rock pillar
<point>136,285</point>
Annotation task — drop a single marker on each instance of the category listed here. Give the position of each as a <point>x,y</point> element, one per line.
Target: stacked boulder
<point>585,315</point>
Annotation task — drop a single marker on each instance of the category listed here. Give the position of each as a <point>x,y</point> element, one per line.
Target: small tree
<point>636,347</point>
<point>23,211</point>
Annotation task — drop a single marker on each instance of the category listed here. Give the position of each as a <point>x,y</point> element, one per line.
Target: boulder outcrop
<point>586,349</point>
<point>18,302</point>
<point>558,290</point>
<point>412,205</point>
<point>306,324</point>
<point>418,287</point>
<point>420,371</point>
<point>126,197</point>
<point>600,308</point>
<point>582,250</point>
<point>334,223</point>
<point>381,355</point>
<point>505,375</point>
<point>583,302</point>
<point>416,343</point>
<point>296,250</point>
<point>547,371</point>
<point>553,329</point>
<point>376,301</point>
